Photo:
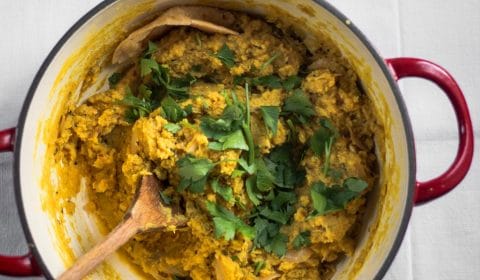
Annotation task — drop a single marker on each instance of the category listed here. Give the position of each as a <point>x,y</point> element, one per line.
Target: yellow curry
<point>265,147</point>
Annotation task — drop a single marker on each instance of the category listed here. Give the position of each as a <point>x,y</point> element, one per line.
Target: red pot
<point>391,203</point>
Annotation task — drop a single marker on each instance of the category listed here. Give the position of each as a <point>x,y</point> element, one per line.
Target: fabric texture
<point>442,241</point>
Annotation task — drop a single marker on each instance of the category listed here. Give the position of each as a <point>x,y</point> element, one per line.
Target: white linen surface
<point>443,239</point>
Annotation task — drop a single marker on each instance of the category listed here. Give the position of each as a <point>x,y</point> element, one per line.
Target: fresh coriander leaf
<point>270,81</point>
<point>151,49</point>
<point>276,216</point>
<point>302,240</point>
<point>193,173</point>
<point>292,82</point>
<point>329,199</point>
<point>259,266</point>
<point>235,140</point>
<point>147,65</point>
<point>319,201</point>
<point>172,127</point>
<point>224,191</point>
<point>251,169</point>
<point>237,173</point>
<point>144,92</point>
<point>250,188</point>
<point>226,56</point>
<point>114,79</point>
<point>173,111</point>
<point>283,161</point>
<point>165,198</point>
<point>282,200</point>
<point>270,116</point>
<point>264,178</point>
<point>178,87</point>
<point>279,245</point>
<point>355,184</point>
<point>322,141</point>
<point>269,61</point>
<point>227,224</point>
<point>299,105</point>
<point>230,121</point>
<point>138,107</point>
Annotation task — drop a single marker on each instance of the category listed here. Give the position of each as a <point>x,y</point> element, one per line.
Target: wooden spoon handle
<point>86,263</point>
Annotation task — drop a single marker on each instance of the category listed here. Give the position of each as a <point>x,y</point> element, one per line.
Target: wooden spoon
<point>146,213</point>
<point>211,20</point>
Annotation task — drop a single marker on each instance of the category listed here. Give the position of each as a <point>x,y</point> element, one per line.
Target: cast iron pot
<point>390,204</point>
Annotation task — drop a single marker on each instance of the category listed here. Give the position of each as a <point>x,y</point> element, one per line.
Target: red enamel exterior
<point>19,266</point>
<point>414,67</point>
<point>7,140</point>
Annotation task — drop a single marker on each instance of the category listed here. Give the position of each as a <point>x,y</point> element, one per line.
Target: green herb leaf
<point>147,65</point>
<point>230,121</point>
<point>251,169</point>
<point>114,79</point>
<point>173,111</point>
<point>270,116</point>
<point>193,173</point>
<point>292,82</point>
<point>224,191</point>
<point>172,127</point>
<point>322,141</point>
<point>227,224</point>
<point>151,49</point>
<point>329,199</point>
<point>278,245</point>
<point>138,107</point>
<point>264,179</point>
<point>355,184</point>
<point>302,240</point>
<point>270,81</point>
<point>299,105</point>
<point>235,140</point>
<point>250,188</point>
<point>226,56</point>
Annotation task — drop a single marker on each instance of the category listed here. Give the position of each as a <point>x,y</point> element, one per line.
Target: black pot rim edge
<point>393,85</point>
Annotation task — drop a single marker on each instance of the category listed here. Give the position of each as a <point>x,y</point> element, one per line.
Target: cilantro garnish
<point>151,49</point>
<point>226,56</point>
<point>172,111</point>
<point>235,140</point>
<point>322,141</point>
<point>299,105</point>
<point>270,116</point>
<point>114,79</point>
<point>302,240</point>
<point>227,224</point>
<point>334,198</point>
<point>172,127</point>
<point>270,81</point>
<point>224,191</point>
<point>193,173</point>
<point>292,82</point>
<point>139,107</point>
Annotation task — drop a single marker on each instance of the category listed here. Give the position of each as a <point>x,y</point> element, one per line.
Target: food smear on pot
<point>266,147</point>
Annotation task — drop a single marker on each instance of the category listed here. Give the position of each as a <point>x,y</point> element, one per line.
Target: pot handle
<point>15,265</point>
<point>413,67</point>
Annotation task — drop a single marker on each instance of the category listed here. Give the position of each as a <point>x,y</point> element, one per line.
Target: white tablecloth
<point>443,239</point>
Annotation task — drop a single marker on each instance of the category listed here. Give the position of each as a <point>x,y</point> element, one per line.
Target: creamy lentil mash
<point>269,155</point>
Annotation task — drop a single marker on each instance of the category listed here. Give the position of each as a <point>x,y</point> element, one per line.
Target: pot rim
<point>331,9</point>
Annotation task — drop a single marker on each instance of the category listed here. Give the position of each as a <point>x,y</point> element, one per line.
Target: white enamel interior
<point>388,215</point>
